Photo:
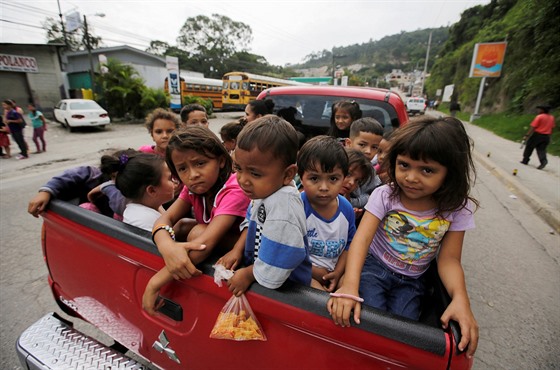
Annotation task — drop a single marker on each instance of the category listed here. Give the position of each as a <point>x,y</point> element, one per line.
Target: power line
<point>21,24</point>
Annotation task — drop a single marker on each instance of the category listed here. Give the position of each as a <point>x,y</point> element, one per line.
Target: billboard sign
<point>488,59</point>
<point>173,82</point>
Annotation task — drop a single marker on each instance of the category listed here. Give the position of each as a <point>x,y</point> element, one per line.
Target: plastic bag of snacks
<point>236,320</point>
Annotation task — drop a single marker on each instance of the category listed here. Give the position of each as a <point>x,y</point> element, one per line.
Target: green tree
<point>211,41</point>
<point>121,89</point>
<point>159,48</point>
<point>75,40</point>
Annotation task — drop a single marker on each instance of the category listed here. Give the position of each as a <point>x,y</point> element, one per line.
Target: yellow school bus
<point>207,88</point>
<point>239,88</point>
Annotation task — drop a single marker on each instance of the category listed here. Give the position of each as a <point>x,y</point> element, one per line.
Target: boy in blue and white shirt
<point>322,166</point>
<point>273,240</point>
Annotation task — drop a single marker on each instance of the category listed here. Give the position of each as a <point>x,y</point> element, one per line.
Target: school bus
<point>207,88</point>
<point>239,88</point>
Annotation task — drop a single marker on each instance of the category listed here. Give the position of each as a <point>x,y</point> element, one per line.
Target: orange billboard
<point>488,59</point>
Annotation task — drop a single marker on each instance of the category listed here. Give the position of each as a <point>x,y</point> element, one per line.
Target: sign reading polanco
<point>488,59</point>
<point>18,63</point>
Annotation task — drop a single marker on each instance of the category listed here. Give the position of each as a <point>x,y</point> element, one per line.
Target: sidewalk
<point>540,189</point>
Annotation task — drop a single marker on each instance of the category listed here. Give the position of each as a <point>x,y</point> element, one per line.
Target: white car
<point>73,113</point>
<point>415,105</point>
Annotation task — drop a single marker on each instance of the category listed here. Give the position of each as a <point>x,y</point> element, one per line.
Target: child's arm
<point>241,280</point>
<point>232,258</point>
<point>211,236</point>
<point>38,203</point>
<point>453,278</point>
<point>151,292</point>
<point>341,308</point>
<point>334,276</point>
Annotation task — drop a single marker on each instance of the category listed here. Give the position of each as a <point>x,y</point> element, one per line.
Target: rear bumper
<point>51,343</point>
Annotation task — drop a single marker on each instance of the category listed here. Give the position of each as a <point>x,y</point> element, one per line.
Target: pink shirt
<point>147,149</point>
<point>230,200</point>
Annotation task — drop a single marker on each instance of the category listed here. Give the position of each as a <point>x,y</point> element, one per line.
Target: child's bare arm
<point>241,280</point>
<point>212,235</point>
<point>38,203</point>
<point>334,276</point>
<point>233,258</point>
<point>453,278</point>
<point>151,292</point>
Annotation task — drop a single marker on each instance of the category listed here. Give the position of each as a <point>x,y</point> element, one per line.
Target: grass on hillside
<point>513,127</point>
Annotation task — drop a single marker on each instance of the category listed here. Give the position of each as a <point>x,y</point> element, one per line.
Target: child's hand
<point>178,262</point>
<point>331,279</point>
<point>39,203</point>
<point>94,194</point>
<point>149,300</point>
<point>358,212</point>
<point>240,281</point>
<point>460,311</point>
<point>231,259</point>
<point>341,308</point>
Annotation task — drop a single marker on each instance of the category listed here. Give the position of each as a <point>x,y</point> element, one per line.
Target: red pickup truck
<point>98,269</point>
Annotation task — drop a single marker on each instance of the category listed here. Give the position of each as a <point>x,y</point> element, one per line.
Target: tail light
<point>103,115</point>
<point>78,116</point>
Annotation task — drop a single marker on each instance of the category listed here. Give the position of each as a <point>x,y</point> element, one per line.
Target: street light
<point>335,67</point>
<point>88,46</point>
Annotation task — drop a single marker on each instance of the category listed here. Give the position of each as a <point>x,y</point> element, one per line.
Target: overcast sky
<point>283,31</point>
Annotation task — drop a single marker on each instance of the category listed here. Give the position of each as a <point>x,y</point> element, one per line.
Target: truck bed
<point>99,267</point>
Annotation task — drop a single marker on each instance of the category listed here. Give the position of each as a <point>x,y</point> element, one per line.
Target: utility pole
<point>426,65</point>
<point>88,46</point>
<point>62,24</point>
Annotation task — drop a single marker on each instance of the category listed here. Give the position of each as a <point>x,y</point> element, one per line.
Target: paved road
<point>511,260</point>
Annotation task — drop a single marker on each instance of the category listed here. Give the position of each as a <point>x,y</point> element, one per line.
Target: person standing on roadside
<point>538,136</point>
<point>39,127</point>
<point>454,107</point>
<point>15,123</point>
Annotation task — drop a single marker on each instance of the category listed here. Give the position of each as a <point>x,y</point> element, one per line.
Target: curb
<point>543,210</point>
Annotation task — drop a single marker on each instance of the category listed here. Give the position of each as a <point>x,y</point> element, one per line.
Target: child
<point>421,214</point>
<point>229,133</point>
<point>382,151</point>
<point>145,180</point>
<point>39,127</point>
<point>77,183</point>
<point>161,124</point>
<point>194,114</point>
<point>344,112</point>
<point>257,109</point>
<point>358,172</point>
<point>196,156</point>
<point>322,166</point>
<point>4,138</point>
<point>365,135</point>
<point>15,123</point>
<point>273,241</point>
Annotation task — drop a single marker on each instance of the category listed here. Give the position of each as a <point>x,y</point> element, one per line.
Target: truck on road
<point>98,268</point>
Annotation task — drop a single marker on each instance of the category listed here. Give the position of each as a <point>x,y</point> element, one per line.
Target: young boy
<point>194,114</point>
<point>365,135</point>
<point>322,167</point>
<point>273,240</point>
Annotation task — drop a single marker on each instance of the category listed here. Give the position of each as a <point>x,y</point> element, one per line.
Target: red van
<point>309,107</point>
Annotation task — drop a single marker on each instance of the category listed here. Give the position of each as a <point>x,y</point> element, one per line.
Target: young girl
<point>15,123</point>
<point>194,114</point>
<point>344,112</point>
<point>422,213</point>
<point>4,138</point>
<point>39,127</point>
<point>258,108</point>
<point>161,124</point>
<point>145,180</point>
<point>229,133</point>
<point>196,156</point>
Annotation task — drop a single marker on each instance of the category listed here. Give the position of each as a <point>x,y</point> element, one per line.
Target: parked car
<point>72,113</point>
<point>415,105</point>
<point>309,107</point>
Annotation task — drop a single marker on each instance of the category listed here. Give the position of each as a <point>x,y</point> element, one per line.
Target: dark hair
<point>352,107</point>
<point>137,172</point>
<point>324,151</point>
<point>160,113</point>
<point>262,107</point>
<point>110,163</point>
<point>272,134</point>
<point>187,109</point>
<point>203,141</point>
<point>357,158</point>
<point>230,130</point>
<point>445,141</point>
<point>366,124</point>
<point>9,102</point>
